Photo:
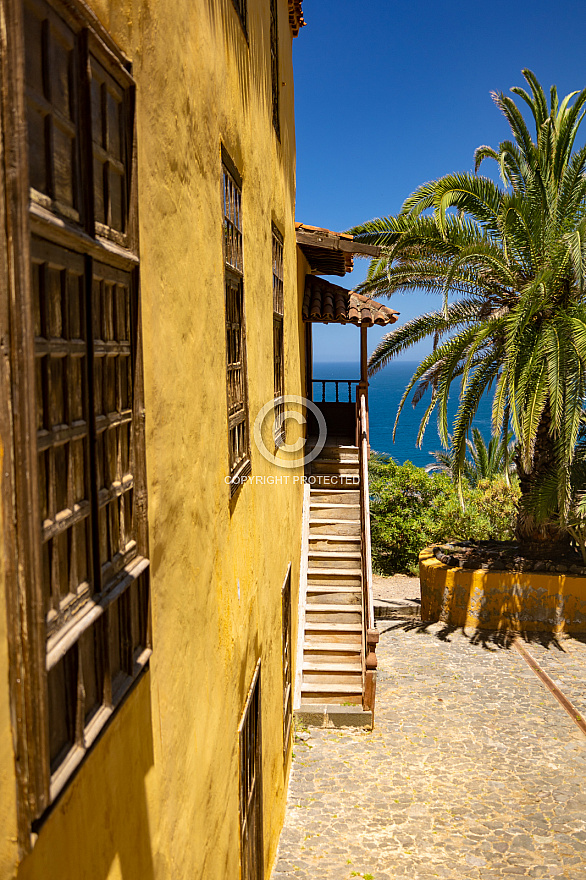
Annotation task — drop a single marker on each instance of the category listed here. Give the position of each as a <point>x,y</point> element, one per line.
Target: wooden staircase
<point>332,649</point>
<point>337,635</point>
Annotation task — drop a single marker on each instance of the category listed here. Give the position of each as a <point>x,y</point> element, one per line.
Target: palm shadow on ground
<point>490,640</point>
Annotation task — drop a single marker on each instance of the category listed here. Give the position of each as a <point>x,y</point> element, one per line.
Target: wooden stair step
<point>337,511</point>
<point>334,588</point>
<point>333,667</point>
<point>333,572</point>
<point>327,597</point>
<point>351,593</point>
<point>334,505</point>
<point>346,527</point>
<point>350,495</point>
<point>332,627</point>
<point>351,459</point>
<point>340,538</point>
<point>351,609</point>
<point>338,453</point>
<point>349,565</point>
<point>331,688</point>
<point>333,522</point>
<point>334,647</point>
<point>351,479</point>
<point>334,554</point>
<point>323,544</point>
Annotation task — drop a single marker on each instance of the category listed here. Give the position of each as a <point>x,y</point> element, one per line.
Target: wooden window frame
<point>274,54</point>
<point>278,334</point>
<point>251,802</point>
<point>239,465</point>
<point>28,214</point>
<point>287,654</point>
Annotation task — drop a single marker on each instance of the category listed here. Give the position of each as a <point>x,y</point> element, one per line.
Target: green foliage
<point>410,509</point>
<point>509,262</point>
<point>485,462</point>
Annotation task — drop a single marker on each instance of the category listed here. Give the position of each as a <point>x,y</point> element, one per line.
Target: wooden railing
<point>370,634</point>
<point>340,390</point>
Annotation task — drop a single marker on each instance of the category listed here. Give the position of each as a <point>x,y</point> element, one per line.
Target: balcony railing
<point>335,390</point>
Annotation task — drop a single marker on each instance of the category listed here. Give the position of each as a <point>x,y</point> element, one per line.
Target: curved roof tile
<point>324,302</point>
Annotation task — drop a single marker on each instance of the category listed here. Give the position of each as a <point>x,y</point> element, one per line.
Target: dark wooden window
<point>278,335</point>
<point>251,832</point>
<point>275,67</point>
<point>241,8</point>
<point>287,690</point>
<point>88,481</point>
<point>236,378</point>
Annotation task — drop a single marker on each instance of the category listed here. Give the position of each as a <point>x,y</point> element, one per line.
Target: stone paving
<point>473,769</point>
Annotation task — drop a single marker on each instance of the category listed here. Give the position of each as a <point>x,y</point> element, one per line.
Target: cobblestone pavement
<point>473,769</point>
<point>565,662</point>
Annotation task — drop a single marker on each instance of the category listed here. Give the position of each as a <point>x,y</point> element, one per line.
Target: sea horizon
<point>385,391</point>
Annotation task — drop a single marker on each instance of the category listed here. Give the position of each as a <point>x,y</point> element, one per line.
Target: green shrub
<point>410,509</point>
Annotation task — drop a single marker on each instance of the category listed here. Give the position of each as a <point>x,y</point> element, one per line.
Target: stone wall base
<point>501,600</point>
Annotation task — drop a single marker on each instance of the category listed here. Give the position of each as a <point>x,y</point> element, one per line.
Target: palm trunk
<point>538,539</point>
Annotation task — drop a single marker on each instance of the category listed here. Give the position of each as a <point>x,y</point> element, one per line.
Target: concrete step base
<point>328,715</point>
<point>386,610</point>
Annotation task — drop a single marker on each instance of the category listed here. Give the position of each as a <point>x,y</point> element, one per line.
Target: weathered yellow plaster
<point>8,824</point>
<point>157,797</point>
<point>501,600</point>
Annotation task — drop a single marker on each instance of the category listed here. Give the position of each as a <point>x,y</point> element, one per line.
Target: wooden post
<point>364,374</point>
<point>309,360</point>
<point>363,354</point>
<point>371,662</point>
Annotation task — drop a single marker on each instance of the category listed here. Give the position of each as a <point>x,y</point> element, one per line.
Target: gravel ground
<point>398,588</point>
<point>473,771</point>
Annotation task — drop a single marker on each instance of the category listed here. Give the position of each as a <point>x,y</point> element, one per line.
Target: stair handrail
<point>370,634</point>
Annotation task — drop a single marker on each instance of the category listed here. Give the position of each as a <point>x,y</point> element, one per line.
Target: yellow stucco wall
<point>8,823</point>
<point>501,600</point>
<point>157,796</point>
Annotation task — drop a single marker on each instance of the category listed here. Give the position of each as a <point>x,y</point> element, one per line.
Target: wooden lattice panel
<point>109,144</point>
<point>51,83</point>
<point>232,222</point>
<point>113,394</point>
<point>62,428</point>
<point>87,633</point>
<point>278,273</point>
<point>236,380</point>
<point>275,84</point>
<point>251,825</point>
<point>278,333</point>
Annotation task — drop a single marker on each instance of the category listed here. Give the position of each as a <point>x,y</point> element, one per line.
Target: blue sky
<point>389,95</point>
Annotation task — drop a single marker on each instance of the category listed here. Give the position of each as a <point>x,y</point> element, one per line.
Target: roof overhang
<point>327,303</point>
<point>330,253</point>
<point>295,16</point>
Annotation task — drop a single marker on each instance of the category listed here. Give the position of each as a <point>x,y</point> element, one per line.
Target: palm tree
<point>509,261</point>
<point>485,462</point>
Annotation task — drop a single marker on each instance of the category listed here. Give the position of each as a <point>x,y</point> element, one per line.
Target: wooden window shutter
<point>236,371</point>
<point>82,611</point>
<point>251,808</point>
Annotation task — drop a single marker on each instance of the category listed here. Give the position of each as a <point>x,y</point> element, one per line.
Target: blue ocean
<point>385,392</point>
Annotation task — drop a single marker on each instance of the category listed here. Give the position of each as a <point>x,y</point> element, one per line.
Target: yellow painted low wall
<point>501,600</point>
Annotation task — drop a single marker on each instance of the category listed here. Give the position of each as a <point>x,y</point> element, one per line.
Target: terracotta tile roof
<point>328,252</point>
<point>327,303</point>
<point>295,16</point>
